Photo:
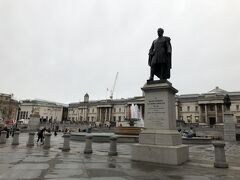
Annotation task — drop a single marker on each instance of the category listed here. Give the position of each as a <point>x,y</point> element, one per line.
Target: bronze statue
<point>227,102</point>
<point>160,57</point>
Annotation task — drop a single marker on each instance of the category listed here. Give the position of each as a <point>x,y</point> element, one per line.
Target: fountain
<point>133,125</point>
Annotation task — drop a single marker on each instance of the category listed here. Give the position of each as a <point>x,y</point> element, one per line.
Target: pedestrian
<point>40,135</point>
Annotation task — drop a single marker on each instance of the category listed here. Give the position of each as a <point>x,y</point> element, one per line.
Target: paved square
<point>21,162</point>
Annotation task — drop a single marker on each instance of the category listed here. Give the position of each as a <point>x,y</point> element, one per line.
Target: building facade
<point>48,111</point>
<point>103,111</point>
<point>8,107</point>
<point>205,108</point>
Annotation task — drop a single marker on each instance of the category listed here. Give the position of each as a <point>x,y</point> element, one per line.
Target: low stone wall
<point>197,140</point>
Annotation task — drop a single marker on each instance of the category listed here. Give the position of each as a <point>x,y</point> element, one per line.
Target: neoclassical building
<point>204,108</point>
<point>48,111</point>
<point>207,107</point>
<point>103,111</point>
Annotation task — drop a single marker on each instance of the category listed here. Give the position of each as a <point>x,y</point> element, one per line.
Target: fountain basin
<point>105,137</point>
<point>128,130</point>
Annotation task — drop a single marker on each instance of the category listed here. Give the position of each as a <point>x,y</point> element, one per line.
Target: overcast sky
<point>60,49</point>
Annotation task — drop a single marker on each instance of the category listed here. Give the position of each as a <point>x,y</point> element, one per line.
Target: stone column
<point>106,114</point>
<point>30,139</point>
<point>200,113</point>
<point>16,138</point>
<point>222,112</point>
<point>100,115</point>
<point>3,137</point>
<point>220,159</point>
<point>47,141</point>
<point>216,113</point>
<point>206,116</point>
<point>88,144</point>
<point>109,116</point>
<point>66,142</point>
<point>113,146</point>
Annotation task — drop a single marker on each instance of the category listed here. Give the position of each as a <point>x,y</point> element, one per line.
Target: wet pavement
<point>21,162</point>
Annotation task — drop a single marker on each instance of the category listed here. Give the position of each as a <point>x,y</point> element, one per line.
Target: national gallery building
<point>204,108</point>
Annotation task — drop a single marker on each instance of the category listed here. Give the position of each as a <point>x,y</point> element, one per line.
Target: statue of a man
<point>160,57</point>
<point>227,102</point>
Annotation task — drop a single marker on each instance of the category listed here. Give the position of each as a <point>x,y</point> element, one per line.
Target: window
<point>238,119</point>
<point>180,108</point>
<point>119,109</point>
<point>93,110</point>
<point>119,118</point>
<point>188,108</point>
<point>114,110</point>
<point>114,118</point>
<point>237,107</point>
<point>196,108</point>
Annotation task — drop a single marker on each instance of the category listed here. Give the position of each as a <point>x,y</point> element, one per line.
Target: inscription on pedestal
<point>156,111</point>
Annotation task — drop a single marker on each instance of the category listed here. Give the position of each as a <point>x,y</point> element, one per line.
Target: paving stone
<point>20,174</point>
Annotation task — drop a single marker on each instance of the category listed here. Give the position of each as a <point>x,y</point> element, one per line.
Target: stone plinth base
<point>173,155</point>
<point>160,137</point>
<point>229,127</point>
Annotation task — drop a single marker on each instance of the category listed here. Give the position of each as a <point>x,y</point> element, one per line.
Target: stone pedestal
<point>88,145</point>
<point>229,127</point>
<point>220,159</point>
<point>66,142</point>
<point>47,141</point>
<point>34,122</point>
<point>16,138</point>
<point>113,146</point>
<point>160,142</point>
<point>30,139</point>
<point>3,137</point>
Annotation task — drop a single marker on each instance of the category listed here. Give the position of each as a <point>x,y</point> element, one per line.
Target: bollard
<point>88,145</point>
<point>46,144</point>
<point>113,146</point>
<point>16,138</point>
<point>3,137</point>
<point>220,159</point>
<point>30,139</point>
<point>66,142</point>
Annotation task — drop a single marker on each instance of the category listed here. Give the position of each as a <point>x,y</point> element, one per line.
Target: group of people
<point>10,131</point>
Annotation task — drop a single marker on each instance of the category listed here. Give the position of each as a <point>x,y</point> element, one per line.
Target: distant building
<point>103,111</point>
<point>48,111</point>
<point>205,108</point>
<point>8,107</point>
